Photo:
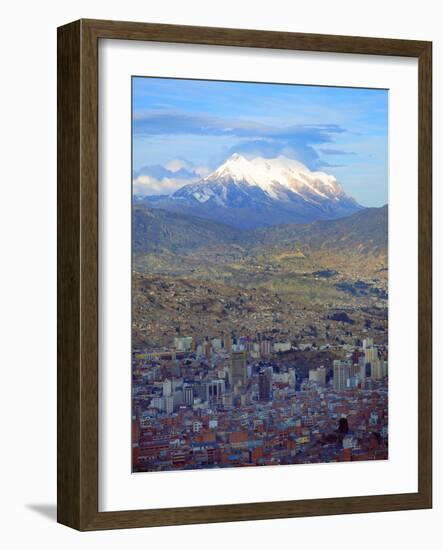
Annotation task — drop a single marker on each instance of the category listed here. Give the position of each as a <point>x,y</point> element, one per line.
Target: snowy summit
<point>277,177</point>
<point>263,191</point>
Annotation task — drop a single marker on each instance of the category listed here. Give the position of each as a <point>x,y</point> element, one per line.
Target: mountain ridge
<point>323,261</point>
<point>156,230</point>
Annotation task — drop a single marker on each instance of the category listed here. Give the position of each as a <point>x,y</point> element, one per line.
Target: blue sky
<point>182,129</point>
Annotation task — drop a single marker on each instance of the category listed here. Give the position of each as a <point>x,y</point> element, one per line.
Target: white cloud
<point>147,185</point>
<point>175,165</point>
<point>167,178</point>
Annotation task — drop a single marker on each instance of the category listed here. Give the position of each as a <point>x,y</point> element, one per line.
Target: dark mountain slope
<point>156,230</point>
<point>365,232</point>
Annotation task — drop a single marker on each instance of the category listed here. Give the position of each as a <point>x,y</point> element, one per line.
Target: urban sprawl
<point>230,400</point>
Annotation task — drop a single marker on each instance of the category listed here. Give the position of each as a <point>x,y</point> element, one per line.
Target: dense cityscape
<point>235,400</point>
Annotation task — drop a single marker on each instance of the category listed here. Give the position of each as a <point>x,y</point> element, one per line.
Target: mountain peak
<point>250,192</point>
<point>236,166</point>
<point>236,157</point>
<point>276,177</point>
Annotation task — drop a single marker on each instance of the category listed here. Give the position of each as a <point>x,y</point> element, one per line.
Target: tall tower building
<point>168,404</point>
<point>265,347</point>
<point>264,385</point>
<point>167,387</point>
<point>215,390</point>
<point>238,371</point>
<point>376,369</point>
<point>371,358</point>
<point>342,372</point>
<point>368,343</point>
<point>188,395</point>
<point>371,355</point>
<point>318,375</point>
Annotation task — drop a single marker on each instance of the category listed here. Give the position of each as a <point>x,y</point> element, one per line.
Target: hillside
<point>336,261</point>
<point>156,230</point>
<point>365,232</point>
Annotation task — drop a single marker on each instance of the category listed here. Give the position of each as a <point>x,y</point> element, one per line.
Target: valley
<point>256,280</point>
<point>289,258</point>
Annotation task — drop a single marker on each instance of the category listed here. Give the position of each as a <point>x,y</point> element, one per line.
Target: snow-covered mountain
<point>280,179</point>
<point>260,192</point>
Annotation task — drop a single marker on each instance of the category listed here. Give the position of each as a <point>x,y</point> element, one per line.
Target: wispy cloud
<point>149,123</point>
<point>336,152</point>
<point>250,137</point>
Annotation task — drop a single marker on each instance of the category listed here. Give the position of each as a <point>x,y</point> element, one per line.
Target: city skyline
<point>243,401</point>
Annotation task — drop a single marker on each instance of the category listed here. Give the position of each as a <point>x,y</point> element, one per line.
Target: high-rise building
<point>215,390</point>
<point>167,387</point>
<point>168,404</point>
<point>254,350</point>
<point>373,363</point>
<point>364,369</point>
<point>318,375</point>
<point>178,399</point>
<point>238,373</point>
<point>368,343</point>
<point>264,385</point>
<point>183,343</point>
<point>371,354</point>
<point>157,402</point>
<point>265,347</point>
<point>188,395</point>
<point>376,369</point>
<point>342,373</point>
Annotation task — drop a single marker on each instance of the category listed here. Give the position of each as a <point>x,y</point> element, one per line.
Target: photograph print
<point>259,274</point>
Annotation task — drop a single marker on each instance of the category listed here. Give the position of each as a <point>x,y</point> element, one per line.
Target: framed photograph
<point>244,332</point>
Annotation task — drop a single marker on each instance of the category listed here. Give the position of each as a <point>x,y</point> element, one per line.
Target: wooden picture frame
<point>78,274</point>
